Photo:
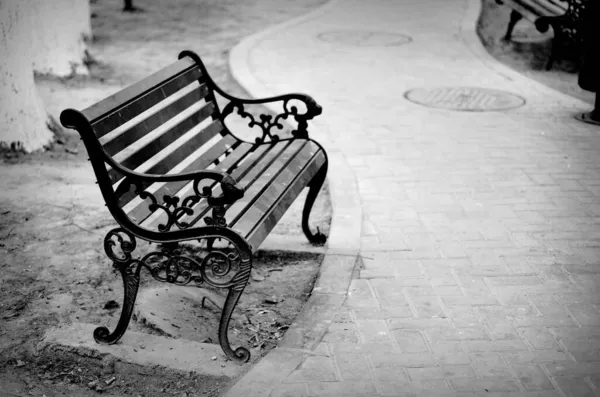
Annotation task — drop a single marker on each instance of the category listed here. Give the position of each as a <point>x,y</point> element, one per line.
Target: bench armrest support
<point>175,206</point>
<point>298,108</point>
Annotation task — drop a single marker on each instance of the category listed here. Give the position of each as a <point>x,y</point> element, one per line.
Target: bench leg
<point>241,354</point>
<point>314,186</point>
<point>514,18</point>
<point>130,272</point>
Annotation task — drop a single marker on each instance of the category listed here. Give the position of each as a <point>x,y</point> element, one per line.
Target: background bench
<point>170,170</point>
<point>565,17</point>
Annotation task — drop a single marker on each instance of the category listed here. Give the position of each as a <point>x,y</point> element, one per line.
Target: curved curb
<point>343,245</point>
<point>468,34</point>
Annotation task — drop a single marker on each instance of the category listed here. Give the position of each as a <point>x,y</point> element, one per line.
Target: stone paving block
<point>427,307</point>
<point>438,272</point>
<point>360,295</point>
<point>343,315</point>
<point>532,377</point>
<point>424,290</point>
<point>514,280</point>
<point>481,386</point>
<point>470,300</point>
<point>353,366</point>
<point>290,390</point>
<point>490,364</point>
<point>410,341</point>
<point>373,331</point>
<point>463,316</point>
<point>574,387</point>
<point>494,345</point>
<point>511,295</point>
<point>314,369</point>
<point>336,389</point>
<point>583,350</point>
<point>458,334</point>
<point>404,360</point>
<point>539,338</point>
<point>419,323</point>
<point>576,333</point>
<point>537,356</point>
<point>441,372</point>
<point>341,332</point>
<point>585,314</point>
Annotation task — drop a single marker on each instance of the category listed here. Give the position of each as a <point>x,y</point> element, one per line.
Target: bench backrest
<point>166,123</point>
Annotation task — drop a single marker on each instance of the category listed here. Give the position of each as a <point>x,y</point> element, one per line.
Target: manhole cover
<point>471,99</point>
<point>364,38</point>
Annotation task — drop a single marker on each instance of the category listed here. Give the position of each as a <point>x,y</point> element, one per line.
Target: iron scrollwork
<point>175,207</point>
<point>225,267</point>
<point>268,123</point>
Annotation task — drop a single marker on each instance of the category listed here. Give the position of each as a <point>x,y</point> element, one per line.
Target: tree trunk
<point>58,38</point>
<point>23,120</point>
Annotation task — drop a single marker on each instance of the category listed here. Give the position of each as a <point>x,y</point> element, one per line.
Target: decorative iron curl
<point>126,242</point>
<point>267,123</point>
<point>215,268</point>
<point>175,207</point>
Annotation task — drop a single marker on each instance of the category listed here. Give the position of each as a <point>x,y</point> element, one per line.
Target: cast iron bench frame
<point>565,20</point>
<point>275,171</point>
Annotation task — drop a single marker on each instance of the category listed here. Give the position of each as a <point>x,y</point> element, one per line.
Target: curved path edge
<point>343,244</point>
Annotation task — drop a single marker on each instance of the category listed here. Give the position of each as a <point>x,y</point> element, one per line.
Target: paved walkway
<point>480,265</point>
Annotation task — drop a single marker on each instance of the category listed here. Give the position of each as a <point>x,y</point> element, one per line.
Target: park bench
<point>565,17</point>
<point>171,171</point>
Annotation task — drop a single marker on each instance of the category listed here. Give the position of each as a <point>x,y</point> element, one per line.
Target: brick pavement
<point>479,269</point>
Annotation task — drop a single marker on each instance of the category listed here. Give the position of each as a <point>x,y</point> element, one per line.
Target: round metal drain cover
<point>470,99</point>
<point>364,38</point>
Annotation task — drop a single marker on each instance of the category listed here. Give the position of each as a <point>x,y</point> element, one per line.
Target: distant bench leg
<point>314,186</point>
<point>514,18</point>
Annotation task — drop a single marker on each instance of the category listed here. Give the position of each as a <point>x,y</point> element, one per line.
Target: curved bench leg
<point>315,186</point>
<point>130,272</point>
<point>515,17</point>
<point>241,354</point>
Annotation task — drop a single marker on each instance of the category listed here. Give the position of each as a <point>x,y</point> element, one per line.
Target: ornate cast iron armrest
<point>267,122</point>
<point>231,191</point>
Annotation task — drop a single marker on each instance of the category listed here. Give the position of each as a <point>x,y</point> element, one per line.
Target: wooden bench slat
<point>136,156</point>
<point>260,184</point>
<point>245,173</point>
<point>532,10</point>
<point>268,197</point>
<point>269,219</point>
<point>131,101</point>
<point>159,217</point>
<point>156,119</point>
<point>200,159</point>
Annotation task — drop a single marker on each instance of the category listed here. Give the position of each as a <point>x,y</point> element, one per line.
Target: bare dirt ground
<point>528,59</point>
<point>53,219</point>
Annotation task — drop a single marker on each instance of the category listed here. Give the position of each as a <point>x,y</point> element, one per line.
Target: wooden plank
<point>143,154</point>
<point>261,230</point>
<point>532,10</point>
<point>252,166</point>
<point>142,128</point>
<point>240,152</point>
<point>269,197</point>
<point>263,180</point>
<point>201,162</point>
<point>126,104</point>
